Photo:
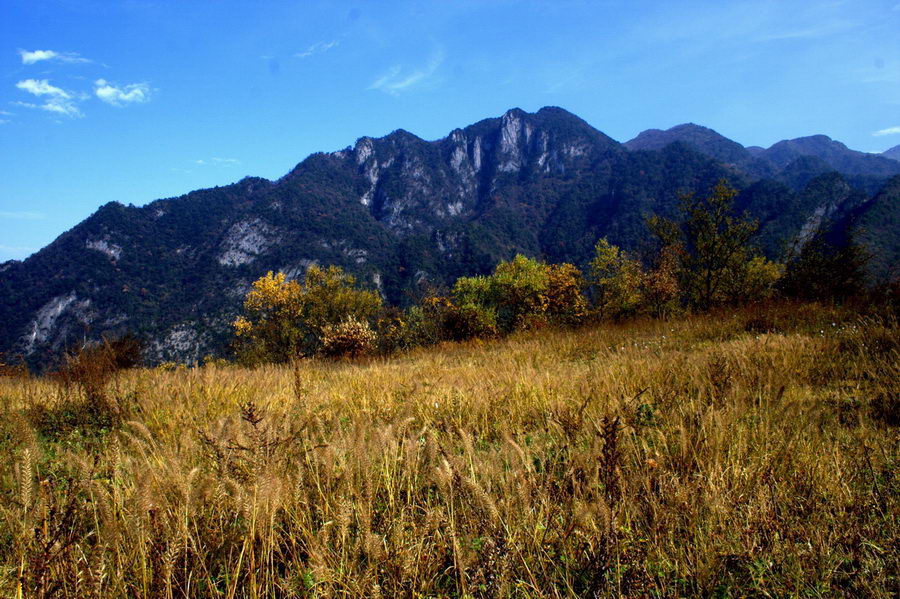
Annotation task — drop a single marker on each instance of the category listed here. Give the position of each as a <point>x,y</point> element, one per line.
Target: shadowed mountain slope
<point>400,213</point>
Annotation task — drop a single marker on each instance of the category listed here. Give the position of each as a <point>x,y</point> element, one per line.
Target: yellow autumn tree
<point>660,290</point>
<point>283,318</point>
<point>566,303</point>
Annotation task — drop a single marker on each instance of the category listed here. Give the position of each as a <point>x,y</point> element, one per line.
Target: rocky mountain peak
<point>395,210</point>
<point>364,148</point>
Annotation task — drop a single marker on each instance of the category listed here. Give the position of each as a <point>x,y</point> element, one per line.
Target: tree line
<point>702,259</point>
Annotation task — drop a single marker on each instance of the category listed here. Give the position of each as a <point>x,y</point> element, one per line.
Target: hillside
<point>892,153</point>
<point>878,223</point>
<point>402,214</point>
<point>707,142</point>
<point>772,161</point>
<point>741,453</point>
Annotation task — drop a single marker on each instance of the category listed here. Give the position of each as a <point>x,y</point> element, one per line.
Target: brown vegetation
<point>743,453</point>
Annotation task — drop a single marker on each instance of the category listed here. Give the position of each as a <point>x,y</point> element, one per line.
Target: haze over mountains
<point>402,213</point>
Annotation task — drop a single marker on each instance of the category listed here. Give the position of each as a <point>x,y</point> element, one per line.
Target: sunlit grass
<point>748,453</point>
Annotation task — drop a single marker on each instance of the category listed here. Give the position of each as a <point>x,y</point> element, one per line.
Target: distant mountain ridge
<point>402,213</point>
<point>707,142</point>
<point>764,162</point>
<point>893,153</point>
<point>834,153</point>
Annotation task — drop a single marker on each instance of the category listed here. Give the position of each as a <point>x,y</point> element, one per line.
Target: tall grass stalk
<point>749,453</point>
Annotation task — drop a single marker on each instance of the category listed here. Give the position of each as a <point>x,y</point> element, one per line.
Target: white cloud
<point>387,77</point>
<point>21,215</point>
<point>218,161</point>
<point>888,131</point>
<point>119,96</point>
<point>395,80</point>
<point>818,31</point>
<point>317,48</point>
<point>36,56</point>
<point>57,100</point>
<point>42,87</point>
<point>61,106</point>
<point>39,55</point>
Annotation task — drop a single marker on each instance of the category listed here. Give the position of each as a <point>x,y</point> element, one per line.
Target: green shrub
<point>521,294</point>
<point>470,321</point>
<point>393,331</point>
<point>439,318</point>
<point>425,322</point>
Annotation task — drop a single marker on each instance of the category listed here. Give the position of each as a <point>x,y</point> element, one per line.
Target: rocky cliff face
<point>399,212</point>
<point>414,186</point>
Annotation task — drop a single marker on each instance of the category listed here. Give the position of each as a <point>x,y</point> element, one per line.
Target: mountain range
<point>402,213</point>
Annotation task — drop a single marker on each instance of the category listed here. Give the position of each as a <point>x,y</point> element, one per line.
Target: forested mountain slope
<point>402,213</point>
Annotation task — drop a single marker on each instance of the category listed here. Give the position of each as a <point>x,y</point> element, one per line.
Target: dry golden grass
<point>664,459</point>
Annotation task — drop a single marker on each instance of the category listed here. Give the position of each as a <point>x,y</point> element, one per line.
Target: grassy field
<point>736,454</point>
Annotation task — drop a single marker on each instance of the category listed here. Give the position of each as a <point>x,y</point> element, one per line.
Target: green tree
<point>615,279</point>
<point>659,286</point>
<point>471,311</point>
<point>824,270</point>
<point>514,294</point>
<point>715,242</point>
<point>752,281</point>
<point>520,294</point>
<point>518,290</point>
<point>268,329</point>
<point>331,296</point>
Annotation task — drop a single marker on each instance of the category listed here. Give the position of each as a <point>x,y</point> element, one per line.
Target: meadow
<point>740,453</point>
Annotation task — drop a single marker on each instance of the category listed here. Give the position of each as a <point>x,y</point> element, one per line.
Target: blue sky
<point>137,100</point>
